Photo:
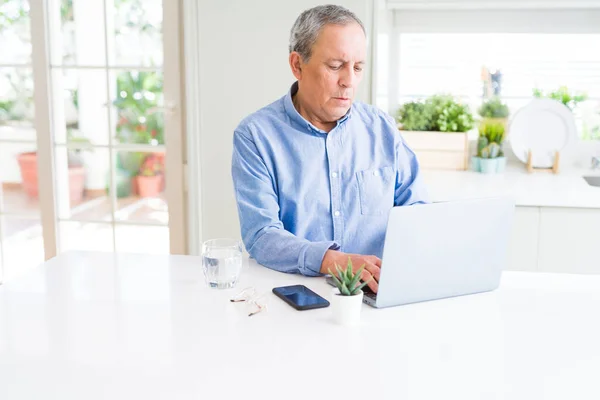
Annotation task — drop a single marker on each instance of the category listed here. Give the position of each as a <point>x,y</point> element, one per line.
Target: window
<point>455,63</point>
<point>111,118</point>
<point>449,46</point>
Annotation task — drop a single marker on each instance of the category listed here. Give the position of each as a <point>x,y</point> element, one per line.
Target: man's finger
<point>367,277</point>
<point>376,261</point>
<point>373,270</point>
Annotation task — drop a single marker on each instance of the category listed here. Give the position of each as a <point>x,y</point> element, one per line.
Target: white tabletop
<point>104,326</point>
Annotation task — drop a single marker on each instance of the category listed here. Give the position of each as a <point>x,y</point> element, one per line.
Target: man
<point>315,174</point>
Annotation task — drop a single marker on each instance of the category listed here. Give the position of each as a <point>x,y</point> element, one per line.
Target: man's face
<point>328,81</point>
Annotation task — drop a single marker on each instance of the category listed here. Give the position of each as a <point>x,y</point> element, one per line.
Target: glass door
<point>110,160</point>
<point>21,240</point>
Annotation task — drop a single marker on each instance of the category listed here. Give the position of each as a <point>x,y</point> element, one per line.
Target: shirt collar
<point>299,119</point>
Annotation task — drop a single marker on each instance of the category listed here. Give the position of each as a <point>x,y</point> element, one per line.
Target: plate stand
<point>554,167</point>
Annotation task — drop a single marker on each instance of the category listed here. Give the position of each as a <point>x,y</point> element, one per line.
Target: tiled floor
<point>22,242</point>
<point>133,208</point>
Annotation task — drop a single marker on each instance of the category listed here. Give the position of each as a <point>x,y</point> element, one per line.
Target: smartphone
<point>300,297</point>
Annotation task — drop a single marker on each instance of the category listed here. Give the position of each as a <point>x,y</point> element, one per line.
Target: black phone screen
<point>300,297</point>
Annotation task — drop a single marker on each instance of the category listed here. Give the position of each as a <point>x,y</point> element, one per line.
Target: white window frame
<point>480,16</point>
<point>45,123</point>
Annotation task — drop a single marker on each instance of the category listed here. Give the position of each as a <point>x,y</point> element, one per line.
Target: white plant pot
<point>346,309</point>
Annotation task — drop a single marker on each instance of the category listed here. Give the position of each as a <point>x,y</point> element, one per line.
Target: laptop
<point>441,250</point>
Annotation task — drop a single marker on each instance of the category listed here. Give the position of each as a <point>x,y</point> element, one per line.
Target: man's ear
<point>296,64</point>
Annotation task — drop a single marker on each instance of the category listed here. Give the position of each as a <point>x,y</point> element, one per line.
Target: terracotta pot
<point>28,165</point>
<point>149,186</point>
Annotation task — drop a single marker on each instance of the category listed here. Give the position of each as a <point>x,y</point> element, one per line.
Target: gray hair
<point>311,22</point>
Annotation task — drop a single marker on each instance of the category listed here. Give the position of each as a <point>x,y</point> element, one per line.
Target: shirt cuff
<point>312,257</point>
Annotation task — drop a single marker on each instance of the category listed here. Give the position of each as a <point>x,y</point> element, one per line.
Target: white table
<point>104,326</point>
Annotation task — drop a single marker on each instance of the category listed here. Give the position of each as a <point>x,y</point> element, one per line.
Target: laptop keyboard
<point>368,293</point>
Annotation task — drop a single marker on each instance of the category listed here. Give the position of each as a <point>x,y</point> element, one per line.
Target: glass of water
<point>222,262</point>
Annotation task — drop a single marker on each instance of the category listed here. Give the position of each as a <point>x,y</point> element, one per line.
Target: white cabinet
<point>569,240</point>
<point>523,243</point>
<point>554,239</point>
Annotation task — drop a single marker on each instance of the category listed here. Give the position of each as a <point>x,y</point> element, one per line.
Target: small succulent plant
<point>492,130</point>
<point>494,150</point>
<point>347,281</point>
<point>491,137</point>
<point>485,152</point>
<point>482,143</point>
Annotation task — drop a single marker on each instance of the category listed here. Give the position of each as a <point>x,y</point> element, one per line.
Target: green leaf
<point>349,268</point>
<point>362,285</point>
<point>341,274</point>
<point>335,279</point>
<point>354,280</point>
<point>415,116</point>
<point>344,290</point>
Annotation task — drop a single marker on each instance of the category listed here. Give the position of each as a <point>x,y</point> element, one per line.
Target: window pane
<point>16,98</point>
<point>133,36</point>
<point>85,105</point>
<point>85,236</point>
<point>140,187</point>
<point>23,245</point>
<point>15,32</point>
<point>18,178</point>
<point>138,102</point>
<point>82,182</point>
<point>433,63</point>
<point>137,33</point>
<point>137,116</point>
<point>142,239</point>
<point>77,32</point>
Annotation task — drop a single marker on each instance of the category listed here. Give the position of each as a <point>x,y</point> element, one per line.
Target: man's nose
<point>348,77</point>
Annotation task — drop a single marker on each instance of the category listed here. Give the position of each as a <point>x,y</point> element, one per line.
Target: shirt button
<point>375,173</point>
<point>334,174</point>
<point>337,213</point>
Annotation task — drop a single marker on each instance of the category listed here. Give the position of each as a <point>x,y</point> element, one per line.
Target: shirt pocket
<point>376,190</point>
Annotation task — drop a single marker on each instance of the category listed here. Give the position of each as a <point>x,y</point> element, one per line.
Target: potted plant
<point>494,110</point>
<point>150,178</point>
<point>436,130</point>
<point>563,95</point>
<point>490,157</point>
<point>139,121</point>
<point>29,171</point>
<point>347,297</point>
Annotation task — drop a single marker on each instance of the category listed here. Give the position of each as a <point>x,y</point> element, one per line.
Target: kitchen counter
<point>538,189</point>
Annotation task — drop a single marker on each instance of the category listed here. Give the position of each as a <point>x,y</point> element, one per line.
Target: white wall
<point>243,67</point>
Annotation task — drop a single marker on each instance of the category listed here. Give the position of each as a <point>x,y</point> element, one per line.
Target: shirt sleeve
<point>263,233</point>
<point>410,188</point>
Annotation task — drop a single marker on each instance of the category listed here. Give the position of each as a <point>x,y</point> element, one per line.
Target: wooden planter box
<point>439,150</point>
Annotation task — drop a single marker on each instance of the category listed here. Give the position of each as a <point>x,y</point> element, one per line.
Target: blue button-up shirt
<point>301,191</point>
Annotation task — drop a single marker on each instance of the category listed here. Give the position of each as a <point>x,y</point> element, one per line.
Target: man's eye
<point>335,67</point>
<point>358,69</point>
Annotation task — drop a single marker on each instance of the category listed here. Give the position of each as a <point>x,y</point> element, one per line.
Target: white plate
<point>544,126</point>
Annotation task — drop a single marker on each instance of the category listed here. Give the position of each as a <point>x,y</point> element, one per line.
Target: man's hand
<point>370,273</point>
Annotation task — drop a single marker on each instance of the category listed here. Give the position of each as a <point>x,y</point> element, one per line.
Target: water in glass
<point>222,262</point>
